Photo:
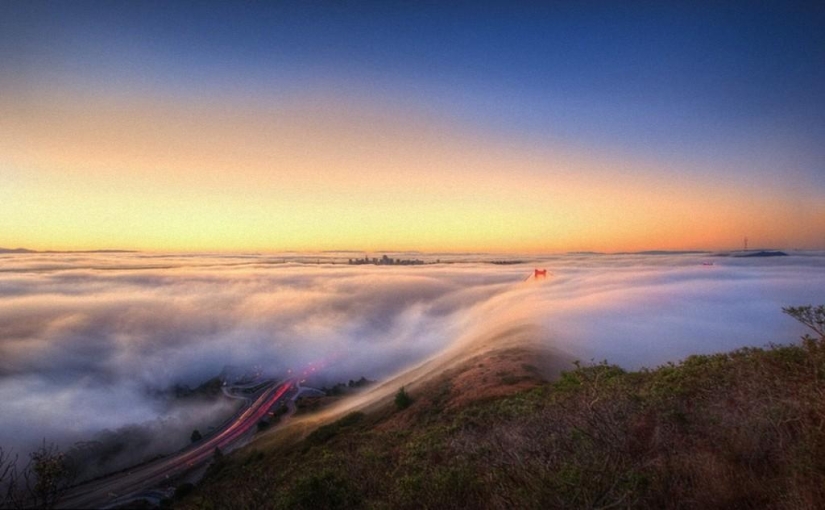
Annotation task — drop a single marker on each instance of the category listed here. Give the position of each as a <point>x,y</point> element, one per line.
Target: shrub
<point>402,399</point>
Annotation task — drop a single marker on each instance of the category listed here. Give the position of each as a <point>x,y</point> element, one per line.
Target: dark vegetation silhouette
<point>40,483</point>
<point>402,399</point>
<point>810,316</point>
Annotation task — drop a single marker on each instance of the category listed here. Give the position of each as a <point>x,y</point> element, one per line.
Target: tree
<point>48,475</point>
<point>402,399</point>
<point>40,484</point>
<point>810,316</point>
<point>196,436</point>
<point>8,476</point>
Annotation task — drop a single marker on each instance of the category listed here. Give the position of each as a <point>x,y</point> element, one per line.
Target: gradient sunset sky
<point>505,127</point>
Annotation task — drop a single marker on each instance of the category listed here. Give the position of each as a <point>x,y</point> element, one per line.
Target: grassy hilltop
<point>744,429</point>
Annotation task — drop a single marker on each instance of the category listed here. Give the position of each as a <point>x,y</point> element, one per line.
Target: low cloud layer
<point>86,340</point>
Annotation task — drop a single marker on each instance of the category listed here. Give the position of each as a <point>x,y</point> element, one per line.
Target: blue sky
<point>731,88</point>
<point>729,63</point>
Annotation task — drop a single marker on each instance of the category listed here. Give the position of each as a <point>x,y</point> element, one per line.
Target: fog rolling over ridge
<point>86,340</point>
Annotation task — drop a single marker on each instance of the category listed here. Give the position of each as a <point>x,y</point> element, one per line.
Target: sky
<point>88,342</point>
<point>478,126</point>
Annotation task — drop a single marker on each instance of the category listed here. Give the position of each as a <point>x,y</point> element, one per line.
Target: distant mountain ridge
<point>755,253</point>
<point>16,250</point>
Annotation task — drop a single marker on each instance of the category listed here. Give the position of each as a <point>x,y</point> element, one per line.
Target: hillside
<point>738,430</point>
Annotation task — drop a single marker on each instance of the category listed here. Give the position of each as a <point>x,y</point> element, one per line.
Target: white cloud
<point>82,337</point>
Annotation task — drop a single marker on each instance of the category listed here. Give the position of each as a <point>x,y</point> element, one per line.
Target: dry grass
<point>738,430</point>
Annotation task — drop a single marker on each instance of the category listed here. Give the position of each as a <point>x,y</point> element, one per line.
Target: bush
<point>402,399</point>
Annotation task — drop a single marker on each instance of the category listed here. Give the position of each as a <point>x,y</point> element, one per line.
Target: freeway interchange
<point>124,486</point>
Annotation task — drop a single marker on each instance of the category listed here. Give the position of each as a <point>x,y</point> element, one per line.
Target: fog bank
<point>87,340</point>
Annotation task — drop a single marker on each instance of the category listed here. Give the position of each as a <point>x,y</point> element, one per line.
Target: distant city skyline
<point>395,126</point>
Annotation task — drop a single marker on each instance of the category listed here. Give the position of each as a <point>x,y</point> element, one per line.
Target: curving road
<point>119,487</point>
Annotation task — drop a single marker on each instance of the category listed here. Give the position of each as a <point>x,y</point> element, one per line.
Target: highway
<point>120,487</point>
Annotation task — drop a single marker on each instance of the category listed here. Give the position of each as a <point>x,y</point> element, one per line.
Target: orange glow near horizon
<point>160,175</point>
